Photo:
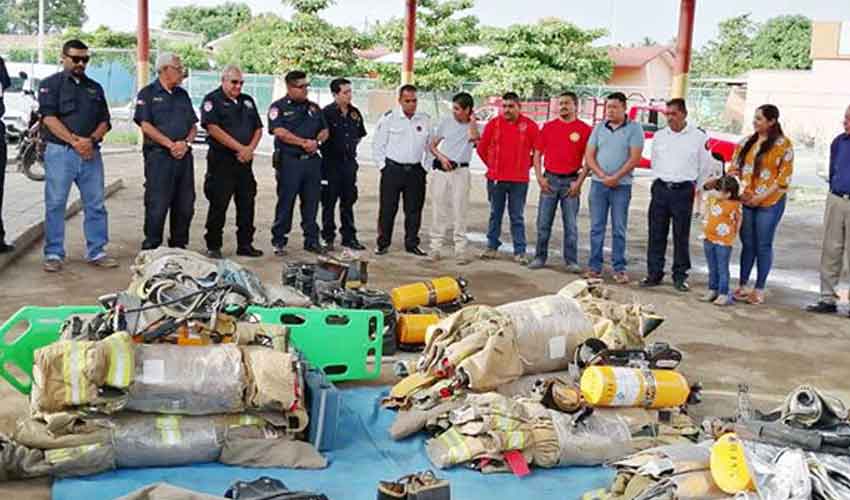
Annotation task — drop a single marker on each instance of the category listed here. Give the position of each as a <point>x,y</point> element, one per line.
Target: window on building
<point>844,39</point>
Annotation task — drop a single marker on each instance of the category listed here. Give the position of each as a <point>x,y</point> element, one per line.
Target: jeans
<point>717,257</point>
<point>63,167</point>
<point>546,208</point>
<point>500,193</point>
<point>602,200</point>
<point>758,227</point>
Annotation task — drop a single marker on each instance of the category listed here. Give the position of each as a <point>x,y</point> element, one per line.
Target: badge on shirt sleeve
<point>355,116</point>
<point>208,105</point>
<point>44,90</point>
<point>249,104</point>
<point>575,136</point>
<point>273,113</point>
<point>140,102</point>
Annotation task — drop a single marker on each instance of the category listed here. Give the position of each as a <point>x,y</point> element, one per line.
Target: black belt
<point>393,163</point>
<point>302,156</point>
<point>563,176</point>
<point>675,185</point>
<point>845,196</point>
<point>439,166</point>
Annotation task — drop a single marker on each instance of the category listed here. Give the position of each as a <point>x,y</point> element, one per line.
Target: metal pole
<point>409,47</point>
<point>683,49</point>
<point>143,46</point>
<point>40,31</point>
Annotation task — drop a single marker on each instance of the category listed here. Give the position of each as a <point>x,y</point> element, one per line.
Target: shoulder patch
<point>140,102</point>
<point>208,106</point>
<point>388,113</point>
<point>249,104</point>
<point>273,113</point>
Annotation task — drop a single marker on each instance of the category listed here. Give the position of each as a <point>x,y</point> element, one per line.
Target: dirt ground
<point>773,347</point>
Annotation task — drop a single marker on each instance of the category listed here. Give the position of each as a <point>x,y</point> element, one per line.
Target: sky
<point>628,20</point>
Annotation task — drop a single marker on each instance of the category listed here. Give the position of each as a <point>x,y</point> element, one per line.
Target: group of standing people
<point>315,161</point>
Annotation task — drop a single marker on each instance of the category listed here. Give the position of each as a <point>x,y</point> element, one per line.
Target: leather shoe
<point>681,286</point>
<point>5,247</point>
<point>249,252</point>
<point>822,308</point>
<point>280,251</point>
<point>214,253</point>
<point>354,245</point>
<point>417,251</point>
<point>382,250</point>
<point>649,282</point>
<point>315,248</point>
<point>329,246</point>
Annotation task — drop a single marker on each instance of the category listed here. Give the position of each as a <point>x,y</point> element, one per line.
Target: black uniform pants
<point>227,178</point>
<point>670,203</point>
<point>300,178</point>
<point>169,192</point>
<point>407,181</point>
<point>340,176</point>
<point>2,177</point>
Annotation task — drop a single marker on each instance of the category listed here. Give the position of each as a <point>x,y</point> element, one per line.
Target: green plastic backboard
<point>338,341</point>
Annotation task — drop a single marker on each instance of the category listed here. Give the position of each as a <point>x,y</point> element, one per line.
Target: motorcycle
<point>31,146</point>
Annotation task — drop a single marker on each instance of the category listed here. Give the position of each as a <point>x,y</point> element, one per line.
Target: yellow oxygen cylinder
<point>632,387</point>
<point>729,465</point>
<point>411,328</point>
<point>427,293</point>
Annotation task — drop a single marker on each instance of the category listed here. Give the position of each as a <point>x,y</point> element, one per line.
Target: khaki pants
<point>449,204</point>
<point>836,245</point>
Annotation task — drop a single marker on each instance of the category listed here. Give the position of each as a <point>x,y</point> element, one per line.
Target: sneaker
<point>537,263</point>
<point>709,296</point>
<point>105,262</point>
<point>822,307</point>
<point>382,250</point>
<point>621,278</point>
<point>649,282</point>
<point>724,300</point>
<point>52,266</point>
<point>521,259</point>
<point>490,254</point>
<point>214,253</point>
<point>329,246</point>
<point>573,268</point>
<point>681,285</point>
<point>590,274</point>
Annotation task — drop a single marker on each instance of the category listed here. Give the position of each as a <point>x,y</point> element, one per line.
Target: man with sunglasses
<point>167,118</point>
<point>235,129</point>
<point>76,117</point>
<point>299,129</point>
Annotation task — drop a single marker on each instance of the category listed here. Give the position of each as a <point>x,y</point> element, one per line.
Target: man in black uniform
<point>339,165</point>
<point>76,117</point>
<point>299,129</point>
<point>166,116</point>
<point>235,129</point>
<point>5,83</point>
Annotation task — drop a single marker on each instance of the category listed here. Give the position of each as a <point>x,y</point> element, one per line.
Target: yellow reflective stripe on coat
<point>515,440</point>
<point>120,361</point>
<point>458,449</point>
<point>169,429</point>
<point>73,365</point>
<point>65,454</point>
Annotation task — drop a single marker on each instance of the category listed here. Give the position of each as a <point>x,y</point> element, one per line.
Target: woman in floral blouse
<point>763,163</point>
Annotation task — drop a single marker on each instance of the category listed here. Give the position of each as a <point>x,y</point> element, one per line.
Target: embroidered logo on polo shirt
<point>208,106</point>
<point>575,136</point>
<point>273,113</point>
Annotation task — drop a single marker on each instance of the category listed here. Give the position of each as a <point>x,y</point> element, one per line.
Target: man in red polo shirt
<point>505,147</point>
<point>561,144</point>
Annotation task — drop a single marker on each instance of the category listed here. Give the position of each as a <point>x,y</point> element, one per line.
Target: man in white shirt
<point>402,137</point>
<point>452,145</point>
<point>680,161</point>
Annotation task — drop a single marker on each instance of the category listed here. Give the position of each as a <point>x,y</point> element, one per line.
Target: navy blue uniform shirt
<point>238,118</point>
<point>79,104</point>
<point>5,83</point>
<point>169,112</point>
<point>304,119</point>
<point>345,132</point>
<point>839,165</point>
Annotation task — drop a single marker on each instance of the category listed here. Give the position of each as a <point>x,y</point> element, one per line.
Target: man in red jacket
<point>506,148</point>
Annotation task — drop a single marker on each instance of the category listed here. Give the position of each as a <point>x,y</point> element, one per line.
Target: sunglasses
<point>78,59</point>
<point>237,82</point>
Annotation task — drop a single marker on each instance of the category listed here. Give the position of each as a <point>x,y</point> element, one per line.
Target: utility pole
<point>409,48</point>
<point>40,31</point>
<point>682,65</point>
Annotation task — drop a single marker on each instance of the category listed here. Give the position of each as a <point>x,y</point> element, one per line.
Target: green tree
<point>22,16</point>
<point>783,42</point>
<point>542,58</point>
<point>212,22</point>
<point>441,29</point>
<point>192,56</point>
<point>731,53</point>
<point>310,7</point>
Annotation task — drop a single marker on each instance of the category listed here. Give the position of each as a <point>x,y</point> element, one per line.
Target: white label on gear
<point>628,387</point>
<point>153,371</point>
<point>557,347</point>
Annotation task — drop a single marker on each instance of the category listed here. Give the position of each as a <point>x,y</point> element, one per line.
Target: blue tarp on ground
<point>365,455</point>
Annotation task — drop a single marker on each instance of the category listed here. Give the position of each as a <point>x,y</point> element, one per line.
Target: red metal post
<point>683,48</point>
<point>409,47</point>
<point>143,45</point>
